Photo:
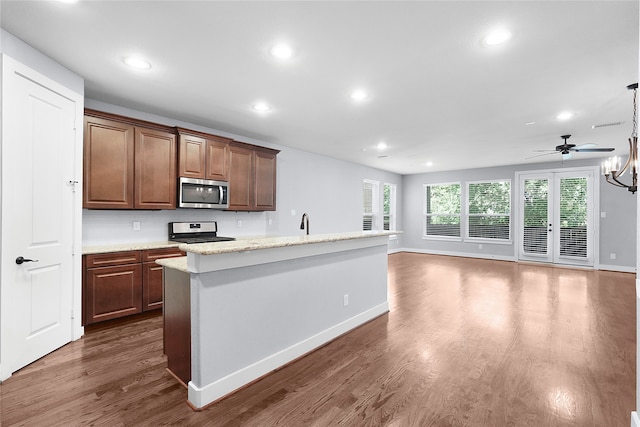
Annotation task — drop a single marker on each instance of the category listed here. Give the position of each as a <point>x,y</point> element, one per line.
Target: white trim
<point>635,421</point>
<point>620,268</point>
<point>442,238</point>
<point>458,254</point>
<point>202,396</point>
<point>602,267</point>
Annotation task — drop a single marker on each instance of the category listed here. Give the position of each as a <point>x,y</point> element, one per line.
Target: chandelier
<point>611,167</point>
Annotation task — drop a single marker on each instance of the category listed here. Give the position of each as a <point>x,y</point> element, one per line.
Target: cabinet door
<point>152,276</point>
<point>192,156</point>
<point>112,292</point>
<point>265,181</point>
<point>240,178</point>
<point>108,164</point>
<point>217,167</point>
<point>155,171</point>
<point>151,286</point>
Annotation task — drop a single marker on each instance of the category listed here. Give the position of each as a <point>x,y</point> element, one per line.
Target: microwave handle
<point>221,193</point>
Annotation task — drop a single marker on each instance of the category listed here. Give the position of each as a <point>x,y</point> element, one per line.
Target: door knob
<point>21,260</point>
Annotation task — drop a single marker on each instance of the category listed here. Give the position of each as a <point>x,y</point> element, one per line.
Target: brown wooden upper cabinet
<point>127,166</point>
<point>203,156</point>
<point>252,179</point>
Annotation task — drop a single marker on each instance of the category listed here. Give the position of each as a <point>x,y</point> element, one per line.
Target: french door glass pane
<point>536,215</point>
<point>573,217</point>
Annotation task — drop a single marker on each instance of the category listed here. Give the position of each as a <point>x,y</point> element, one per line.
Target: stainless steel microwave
<point>203,194</point>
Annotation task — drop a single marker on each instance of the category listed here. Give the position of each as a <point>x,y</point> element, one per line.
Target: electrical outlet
<point>293,212</point>
<point>480,246</point>
<point>345,300</point>
<point>239,223</point>
<point>136,225</point>
<point>270,221</point>
<point>603,214</point>
<point>612,255</point>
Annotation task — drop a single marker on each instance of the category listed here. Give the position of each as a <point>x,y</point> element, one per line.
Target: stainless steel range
<point>196,232</point>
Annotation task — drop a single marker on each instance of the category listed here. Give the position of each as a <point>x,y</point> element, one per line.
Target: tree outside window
<point>442,210</point>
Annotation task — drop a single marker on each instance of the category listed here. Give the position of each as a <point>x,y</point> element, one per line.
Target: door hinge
<point>72,315</point>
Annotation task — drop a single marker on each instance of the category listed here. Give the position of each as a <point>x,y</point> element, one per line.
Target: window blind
<point>489,210</point>
<point>573,217</point>
<point>369,205</point>
<point>536,217</point>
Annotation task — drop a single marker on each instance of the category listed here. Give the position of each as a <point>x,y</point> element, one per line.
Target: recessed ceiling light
<point>68,1</point>
<point>381,146</point>
<point>566,115</point>
<point>137,63</point>
<point>530,123</point>
<point>261,107</point>
<point>281,51</point>
<point>496,37</point>
<point>359,95</point>
<point>429,164</point>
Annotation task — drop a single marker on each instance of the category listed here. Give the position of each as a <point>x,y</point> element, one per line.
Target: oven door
<point>203,193</point>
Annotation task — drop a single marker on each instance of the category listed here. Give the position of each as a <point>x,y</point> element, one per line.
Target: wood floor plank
<point>467,342</point>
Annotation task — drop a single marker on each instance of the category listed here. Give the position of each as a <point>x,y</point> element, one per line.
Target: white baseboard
<point>620,268</point>
<point>635,421</point>
<point>459,254</point>
<point>202,396</point>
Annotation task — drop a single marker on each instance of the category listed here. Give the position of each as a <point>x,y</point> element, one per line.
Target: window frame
<point>375,202</point>
<point>469,215</point>
<point>392,206</point>
<point>425,215</point>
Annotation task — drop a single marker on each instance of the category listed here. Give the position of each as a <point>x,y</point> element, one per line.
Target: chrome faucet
<point>304,215</point>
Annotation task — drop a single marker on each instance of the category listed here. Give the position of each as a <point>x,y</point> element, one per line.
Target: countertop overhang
<point>262,250</point>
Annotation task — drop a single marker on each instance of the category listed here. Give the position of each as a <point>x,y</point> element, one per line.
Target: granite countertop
<point>177,263</point>
<point>244,244</point>
<point>101,249</point>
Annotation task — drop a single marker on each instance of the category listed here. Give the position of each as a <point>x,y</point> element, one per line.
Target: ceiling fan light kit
<point>611,167</point>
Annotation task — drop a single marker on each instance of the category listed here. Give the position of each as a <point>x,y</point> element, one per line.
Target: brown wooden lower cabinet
<point>120,284</point>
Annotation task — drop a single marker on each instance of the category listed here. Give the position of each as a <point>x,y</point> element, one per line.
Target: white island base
<point>255,306</point>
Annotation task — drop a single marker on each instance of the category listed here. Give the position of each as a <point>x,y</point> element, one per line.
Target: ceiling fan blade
<point>592,150</point>
<point>587,145</point>
<point>540,155</point>
<point>544,151</point>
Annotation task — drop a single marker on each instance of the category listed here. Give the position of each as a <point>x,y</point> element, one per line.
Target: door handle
<point>21,260</point>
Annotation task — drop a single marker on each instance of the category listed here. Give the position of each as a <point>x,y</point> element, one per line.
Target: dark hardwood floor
<point>467,343</point>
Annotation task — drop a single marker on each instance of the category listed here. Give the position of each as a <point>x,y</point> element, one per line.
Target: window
<point>389,207</point>
<point>369,205</point>
<point>442,210</point>
<point>489,210</point>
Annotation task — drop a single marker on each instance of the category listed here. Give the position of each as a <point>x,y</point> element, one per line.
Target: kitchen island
<point>235,311</point>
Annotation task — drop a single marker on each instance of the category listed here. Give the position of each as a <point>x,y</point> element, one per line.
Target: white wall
<point>329,190</point>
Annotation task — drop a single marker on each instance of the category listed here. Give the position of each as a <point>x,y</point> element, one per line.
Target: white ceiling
<point>436,93</point>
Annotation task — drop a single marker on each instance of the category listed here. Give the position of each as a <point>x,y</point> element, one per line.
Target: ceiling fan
<point>566,149</point>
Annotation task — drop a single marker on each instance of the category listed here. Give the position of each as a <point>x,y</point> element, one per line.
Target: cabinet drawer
<point>115,258</point>
<point>149,255</point>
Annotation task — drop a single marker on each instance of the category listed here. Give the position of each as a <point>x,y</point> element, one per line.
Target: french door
<point>556,217</point>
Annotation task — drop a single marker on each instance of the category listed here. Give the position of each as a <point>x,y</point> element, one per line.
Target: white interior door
<point>38,155</point>
<point>556,220</point>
